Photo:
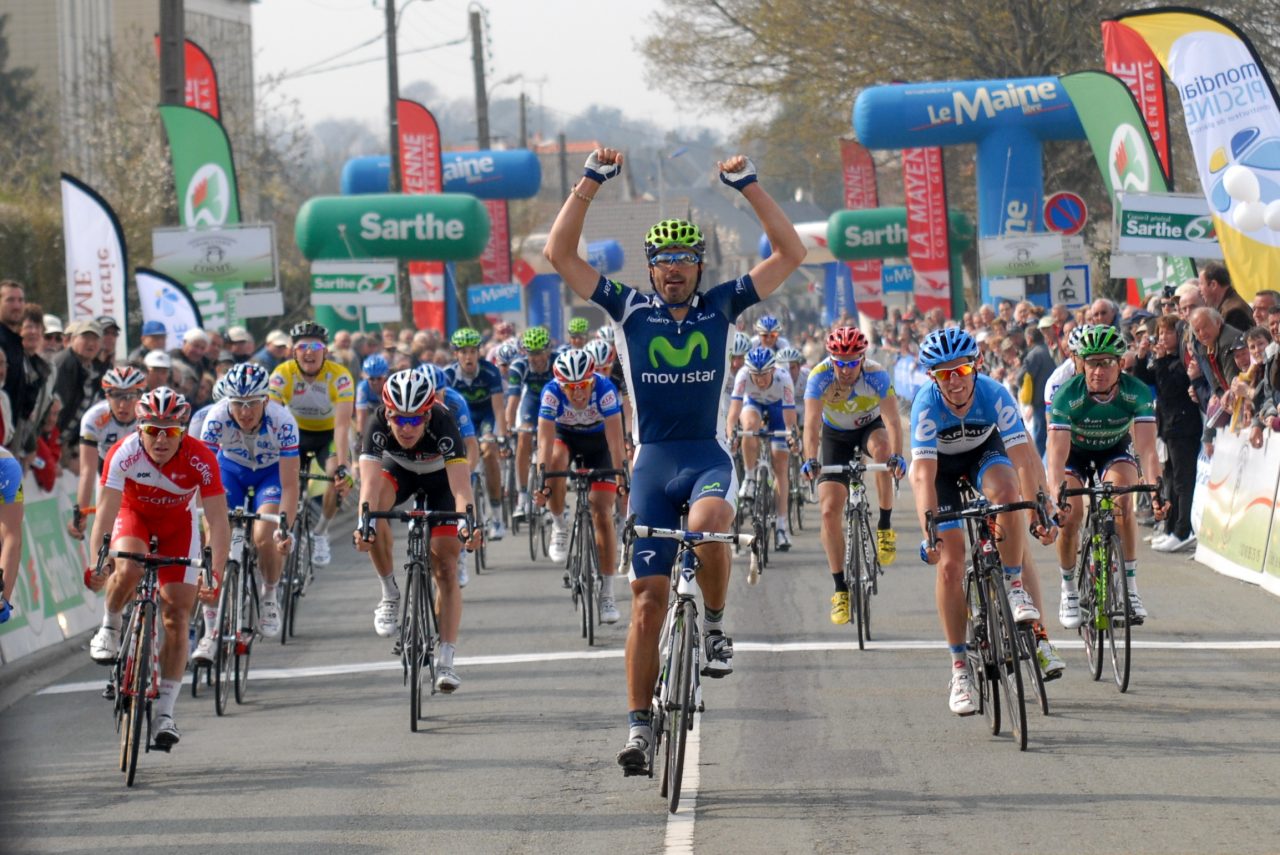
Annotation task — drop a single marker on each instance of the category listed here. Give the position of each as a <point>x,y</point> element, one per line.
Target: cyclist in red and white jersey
<point>149,484</point>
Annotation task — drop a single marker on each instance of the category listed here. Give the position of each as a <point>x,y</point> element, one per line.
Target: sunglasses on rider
<point>579,386</point>
<point>944,374</point>
<point>670,258</point>
<point>846,363</point>
<point>1101,363</point>
<point>310,346</point>
<point>124,396</point>
<point>171,431</point>
<point>407,421</point>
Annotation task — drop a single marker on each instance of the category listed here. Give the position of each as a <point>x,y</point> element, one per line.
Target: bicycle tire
<point>1120,612</point>
<point>412,642</point>
<point>1092,610</point>
<point>1007,665</point>
<point>853,578</point>
<point>247,617</point>
<point>544,532</point>
<point>867,573</point>
<point>533,518</point>
<point>289,576</point>
<point>481,511</point>
<point>589,566</point>
<point>1030,658</point>
<point>680,718</point>
<point>764,511</point>
<point>304,568</point>
<point>196,631</point>
<point>224,651</point>
<point>977,651</point>
<point>871,554</point>
<point>140,680</point>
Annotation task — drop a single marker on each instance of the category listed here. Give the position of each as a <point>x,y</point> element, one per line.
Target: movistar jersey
<point>676,369</point>
<point>848,408</point>
<point>478,389</point>
<point>523,380</point>
<point>590,419</point>
<point>461,411</point>
<point>936,430</point>
<point>1095,424</point>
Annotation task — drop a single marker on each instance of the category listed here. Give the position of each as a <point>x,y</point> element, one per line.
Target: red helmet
<point>846,342</point>
<point>163,404</point>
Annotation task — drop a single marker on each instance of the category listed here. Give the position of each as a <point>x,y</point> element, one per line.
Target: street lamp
<point>662,181</point>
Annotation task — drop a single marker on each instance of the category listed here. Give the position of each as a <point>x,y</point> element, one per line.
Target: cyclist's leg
<point>129,534</point>
<point>838,448</point>
<point>1122,470</point>
<point>489,455</point>
<point>558,461</point>
<point>875,440</point>
<point>781,457</point>
<point>526,417</point>
<point>385,617</point>
<point>998,481</point>
<point>749,420</point>
<point>708,486</point>
<point>177,597</point>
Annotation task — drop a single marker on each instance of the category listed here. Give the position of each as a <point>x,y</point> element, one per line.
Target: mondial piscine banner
<point>1230,107</point>
<point>1008,119</point>
<point>168,301</point>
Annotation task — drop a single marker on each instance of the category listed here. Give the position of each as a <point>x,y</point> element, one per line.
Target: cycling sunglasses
<point>944,374</point>
<point>408,421</point>
<point>310,346</point>
<point>579,386</point>
<point>846,363</point>
<point>670,258</point>
<point>124,396</point>
<point>1103,363</point>
<point>171,431</point>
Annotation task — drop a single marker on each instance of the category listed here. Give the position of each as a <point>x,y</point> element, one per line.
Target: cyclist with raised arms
<point>413,445</point>
<point>525,379</point>
<point>479,382</point>
<point>319,392</point>
<point>150,481</point>
<point>1098,418</point>
<point>369,390</point>
<point>763,398</point>
<point>965,425</point>
<point>256,443</point>
<point>851,409</point>
<point>11,508</point>
<point>768,331</point>
<point>580,418</point>
<point>103,425</point>
<point>675,346</point>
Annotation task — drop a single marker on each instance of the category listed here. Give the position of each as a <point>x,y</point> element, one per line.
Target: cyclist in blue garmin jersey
<point>675,346</point>
<point>480,383</point>
<point>965,425</point>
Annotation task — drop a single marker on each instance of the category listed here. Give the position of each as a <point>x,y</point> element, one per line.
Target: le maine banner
<point>96,257</point>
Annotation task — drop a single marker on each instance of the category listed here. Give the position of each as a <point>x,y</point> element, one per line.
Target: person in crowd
<point>1105,312</point>
<point>76,378</point>
<point>1216,289</point>
<point>239,342</point>
<point>1037,366</point>
<point>12,305</point>
<point>158,367</point>
<point>38,380</point>
<point>1214,342</point>
<point>1264,302</point>
<point>223,363</point>
<point>275,351</point>
<point>106,358</point>
<point>8,429</point>
<point>191,360</point>
<point>154,336</point>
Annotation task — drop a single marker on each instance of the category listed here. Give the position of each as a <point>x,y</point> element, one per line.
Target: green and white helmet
<point>465,337</point>
<point>536,339</point>
<point>1101,340</point>
<point>578,326</point>
<point>669,233</point>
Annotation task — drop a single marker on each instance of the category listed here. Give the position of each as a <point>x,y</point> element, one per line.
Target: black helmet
<point>308,329</point>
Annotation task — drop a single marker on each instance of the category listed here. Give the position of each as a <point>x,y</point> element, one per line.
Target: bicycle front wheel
<point>1093,608</point>
<point>413,640</point>
<point>246,627</point>
<point>289,579</point>
<point>588,568</point>
<point>680,707</point>
<point>139,680</point>
<point>224,653</point>
<point>1033,677</point>
<point>978,651</point>
<point>853,571</point>
<point>1004,646</point>
<point>1120,614</point>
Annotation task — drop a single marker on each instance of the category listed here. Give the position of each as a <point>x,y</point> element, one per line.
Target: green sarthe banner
<point>1122,147</point>
<point>205,177</point>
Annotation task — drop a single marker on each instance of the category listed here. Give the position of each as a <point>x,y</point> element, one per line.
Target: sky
<point>564,54</point>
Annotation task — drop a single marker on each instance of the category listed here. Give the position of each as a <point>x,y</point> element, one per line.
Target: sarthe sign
<point>358,283</point>
<point>226,254</point>
<point>1178,224</point>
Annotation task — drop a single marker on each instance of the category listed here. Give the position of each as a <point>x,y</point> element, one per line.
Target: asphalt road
<point>809,746</point>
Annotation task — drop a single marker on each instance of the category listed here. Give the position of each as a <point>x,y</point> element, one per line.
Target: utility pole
<point>173,72</point>
<point>393,97</point>
<point>564,167</point>
<point>482,97</point>
<point>524,120</point>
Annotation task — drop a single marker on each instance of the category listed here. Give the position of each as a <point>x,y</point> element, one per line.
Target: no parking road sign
<point>1065,213</point>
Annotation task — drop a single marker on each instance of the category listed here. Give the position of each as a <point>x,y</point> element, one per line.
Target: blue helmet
<point>944,345</point>
<point>760,360</point>
<point>375,366</point>
<point>767,324</point>
<point>245,380</point>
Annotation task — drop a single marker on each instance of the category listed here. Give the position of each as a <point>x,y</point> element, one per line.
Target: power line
<point>354,63</point>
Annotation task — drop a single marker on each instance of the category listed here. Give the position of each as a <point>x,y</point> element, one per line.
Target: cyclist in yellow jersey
<point>320,393</point>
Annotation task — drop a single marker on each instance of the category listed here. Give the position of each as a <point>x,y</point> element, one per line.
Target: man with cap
<point>191,360</point>
<point>239,342</point>
<point>157,364</point>
<point>53,337</point>
<point>106,358</point>
<point>77,377</point>
<point>275,351</point>
<point>154,336</point>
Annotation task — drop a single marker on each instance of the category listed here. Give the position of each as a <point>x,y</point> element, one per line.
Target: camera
<point>1168,291</point>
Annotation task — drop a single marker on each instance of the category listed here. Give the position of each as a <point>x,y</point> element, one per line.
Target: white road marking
<point>679,837</point>
<point>580,655</point>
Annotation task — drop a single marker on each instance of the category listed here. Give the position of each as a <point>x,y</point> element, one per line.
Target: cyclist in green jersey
<point>1096,421</point>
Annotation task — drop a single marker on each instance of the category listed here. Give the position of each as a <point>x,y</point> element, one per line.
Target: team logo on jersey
<point>213,431</point>
<point>446,446</point>
<point>677,357</point>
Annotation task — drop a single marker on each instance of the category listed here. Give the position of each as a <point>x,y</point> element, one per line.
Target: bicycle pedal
<point>396,649</point>
<point>635,771</point>
<point>156,746</point>
<point>109,692</point>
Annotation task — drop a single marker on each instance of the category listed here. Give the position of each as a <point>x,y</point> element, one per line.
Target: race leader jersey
<point>441,443</point>
<point>848,407</point>
<point>99,427</point>
<point>276,436</point>
<point>936,430</point>
<point>676,369</point>
<point>478,390</point>
<point>314,401</point>
<point>153,491</point>
<point>556,408</point>
<point>521,376</point>
<point>780,389</point>
<point>1096,425</point>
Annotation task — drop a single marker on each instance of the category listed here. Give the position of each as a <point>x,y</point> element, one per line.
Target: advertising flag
<point>495,261</point>
<point>1232,117</point>
<point>205,177</point>
<point>925,184</point>
<point>837,293</point>
<point>1127,57</point>
<point>168,301</point>
<point>860,192</point>
<point>97,259</point>
<point>546,306</point>
<point>202,79</point>
<point>420,172</point>
<point>1125,154</point>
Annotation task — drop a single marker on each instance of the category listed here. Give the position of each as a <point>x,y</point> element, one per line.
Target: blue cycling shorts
<point>667,475</point>
<point>10,481</point>
<point>771,418</point>
<point>238,479</point>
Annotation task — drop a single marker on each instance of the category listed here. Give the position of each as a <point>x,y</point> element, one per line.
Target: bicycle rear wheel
<point>302,569</point>
<point>1120,614</point>
<point>138,676</point>
<point>1034,677</point>
<point>246,626</point>
<point>224,653</point>
<point>1005,648</point>
<point>289,579</point>
<point>680,709</point>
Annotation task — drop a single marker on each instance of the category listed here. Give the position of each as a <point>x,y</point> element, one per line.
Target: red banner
<point>202,80</point>
<point>860,192</point>
<point>928,246</point>
<point>421,172</point>
<point>1129,58</point>
<point>495,263</point>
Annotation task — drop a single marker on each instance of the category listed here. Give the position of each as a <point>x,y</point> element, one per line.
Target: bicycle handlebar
<point>1106,488</point>
<point>763,432</point>
<point>854,468</point>
<point>985,510</point>
<point>691,537</point>
<point>428,516</point>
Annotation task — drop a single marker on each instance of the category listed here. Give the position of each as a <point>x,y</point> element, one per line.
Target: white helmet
<point>790,355</point>
<point>409,392</point>
<point>606,333</point>
<point>741,344</point>
<point>573,366</point>
<point>600,350</point>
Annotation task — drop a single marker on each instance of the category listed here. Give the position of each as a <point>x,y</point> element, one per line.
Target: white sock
<point>269,592</point>
<point>210,621</point>
<point>446,654</point>
<point>606,586</point>
<point>112,620</point>
<point>323,527</point>
<point>168,697</point>
<point>782,525</point>
<point>390,591</point>
<point>1068,578</point>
